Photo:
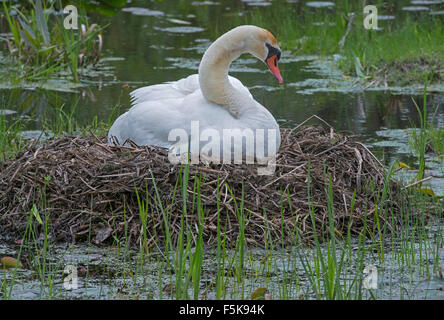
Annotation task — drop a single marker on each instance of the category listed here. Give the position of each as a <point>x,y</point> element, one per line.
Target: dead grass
<point>89,190</point>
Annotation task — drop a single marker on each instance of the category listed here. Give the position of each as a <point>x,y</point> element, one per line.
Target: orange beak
<point>272,63</point>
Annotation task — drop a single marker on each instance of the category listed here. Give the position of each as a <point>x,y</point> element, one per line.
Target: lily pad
<point>425,2</point>
<point>184,63</point>
<point>142,11</point>
<point>437,13</point>
<point>321,23</point>
<point>180,29</point>
<point>382,17</point>
<point>418,8</point>
<point>36,134</point>
<point>9,262</point>
<point>178,21</point>
<point>204,3</point>
<point>5,112</point>
<point>259,294</point>
<point>320,4</point>
<point>259,3</point>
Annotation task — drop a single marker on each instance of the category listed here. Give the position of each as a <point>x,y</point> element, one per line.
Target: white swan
<point>212,99</point>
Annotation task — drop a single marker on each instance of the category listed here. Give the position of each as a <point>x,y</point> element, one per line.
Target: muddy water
<point>164,41</point>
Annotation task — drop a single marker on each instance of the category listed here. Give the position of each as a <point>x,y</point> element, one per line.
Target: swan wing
<point>151,122</point>
<point>173,89</point>
<point>158,109</point>
<point>177,89</point>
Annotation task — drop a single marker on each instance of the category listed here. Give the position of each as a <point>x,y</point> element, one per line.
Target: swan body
<point>212,100</point>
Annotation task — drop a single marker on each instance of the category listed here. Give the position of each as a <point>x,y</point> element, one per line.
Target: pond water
<point>152,42</point>
<point>116,273</point>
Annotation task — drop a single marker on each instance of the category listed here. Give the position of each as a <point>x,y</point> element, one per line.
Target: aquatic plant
<point>40,44</point>
<point>429,138</point>
<point>426,139</point>
<point>400,52</point>
<point>10,140</point>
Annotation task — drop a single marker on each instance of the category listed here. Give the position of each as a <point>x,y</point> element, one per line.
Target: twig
<point>418,182</point>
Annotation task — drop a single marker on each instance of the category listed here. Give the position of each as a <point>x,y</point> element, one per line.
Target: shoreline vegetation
<point>38,47</point>
<point>402,51</point>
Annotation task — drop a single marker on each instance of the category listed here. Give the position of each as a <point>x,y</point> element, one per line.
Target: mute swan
<point>212,100</point>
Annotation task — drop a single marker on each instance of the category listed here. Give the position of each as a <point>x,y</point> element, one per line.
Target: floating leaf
<point>259,294</point>
<point>10,262</point>
<point>402,165</point>
<point>428,191</point>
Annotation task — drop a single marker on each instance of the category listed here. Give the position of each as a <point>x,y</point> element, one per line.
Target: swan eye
<point>272,51</point>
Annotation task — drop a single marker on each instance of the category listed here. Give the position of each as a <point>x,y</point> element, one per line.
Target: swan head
<point>215,63</point>
<point>263,45</point>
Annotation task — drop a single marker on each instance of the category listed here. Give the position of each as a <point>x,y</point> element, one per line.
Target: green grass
<point>428,138</point>
<point>10,140</point>
<point>425,140</point>
<point>57,121</point>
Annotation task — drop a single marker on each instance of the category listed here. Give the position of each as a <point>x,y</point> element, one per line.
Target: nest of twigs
<point>89,191</point>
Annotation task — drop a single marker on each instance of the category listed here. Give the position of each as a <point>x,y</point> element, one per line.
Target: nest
<point>89,190</point>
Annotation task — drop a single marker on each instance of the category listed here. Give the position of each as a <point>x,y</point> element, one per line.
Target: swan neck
<point>213,73</point>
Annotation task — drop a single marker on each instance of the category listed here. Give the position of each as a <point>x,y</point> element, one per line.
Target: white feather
<point>160,108</point>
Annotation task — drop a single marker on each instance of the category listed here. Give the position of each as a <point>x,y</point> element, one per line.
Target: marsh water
<point>151,42</point>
